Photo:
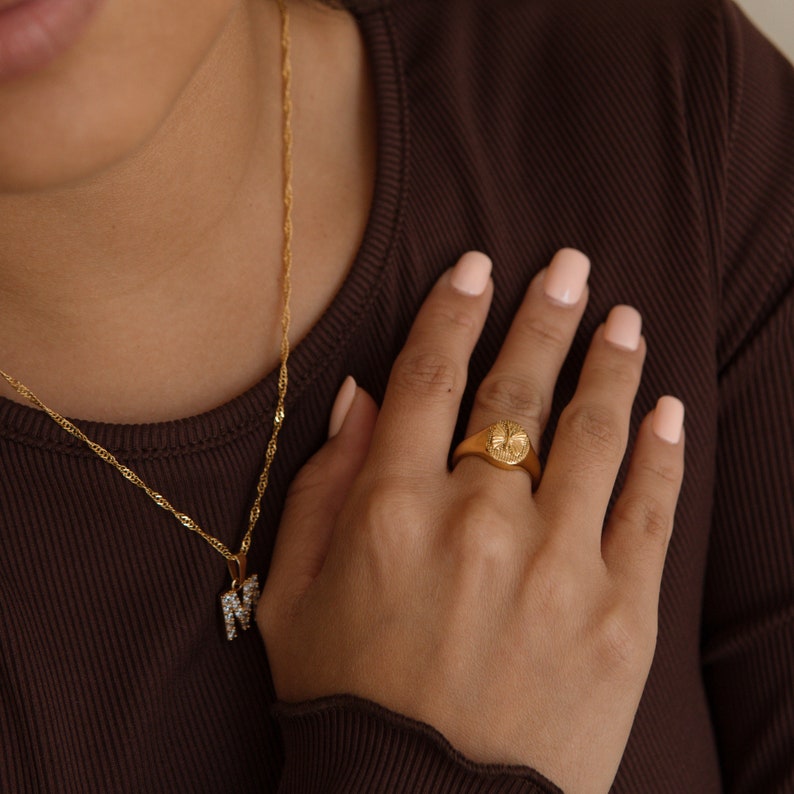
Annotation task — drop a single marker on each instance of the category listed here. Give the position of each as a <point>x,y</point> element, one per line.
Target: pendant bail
<point>236,566</point>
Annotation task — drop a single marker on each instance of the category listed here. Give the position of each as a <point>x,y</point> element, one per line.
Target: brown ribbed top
<point>656,136</point>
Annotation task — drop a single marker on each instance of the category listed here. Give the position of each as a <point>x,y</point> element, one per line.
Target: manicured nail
<point>668,419</point>
<point>470,276</point>
<point>342,405</point>
<point>566,277</point>
<point>623,328</point>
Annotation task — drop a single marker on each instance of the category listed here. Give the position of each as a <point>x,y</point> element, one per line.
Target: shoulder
<point>526,21</point>
<point>657,51</point>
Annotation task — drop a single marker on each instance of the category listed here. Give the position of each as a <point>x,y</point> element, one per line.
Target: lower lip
<point>33,33</point>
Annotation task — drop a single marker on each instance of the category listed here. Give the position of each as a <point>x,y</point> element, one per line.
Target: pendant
<point>238,602</point>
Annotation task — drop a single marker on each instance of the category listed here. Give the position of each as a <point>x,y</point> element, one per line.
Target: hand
<point>517,624</point>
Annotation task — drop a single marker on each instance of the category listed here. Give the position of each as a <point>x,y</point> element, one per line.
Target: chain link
<point>283,378</point>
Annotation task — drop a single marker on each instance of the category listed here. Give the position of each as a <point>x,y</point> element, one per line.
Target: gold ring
<point>503,444</point>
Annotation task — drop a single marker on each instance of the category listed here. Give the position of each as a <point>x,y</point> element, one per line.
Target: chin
<point>40,152</point>
<point>56,159</point>
<point>98,104</point>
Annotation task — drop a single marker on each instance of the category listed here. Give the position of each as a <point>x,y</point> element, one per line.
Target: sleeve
<point>344,745</point>
<point>748,617</point>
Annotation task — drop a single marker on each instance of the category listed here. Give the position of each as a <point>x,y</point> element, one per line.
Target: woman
<point>426,631</point>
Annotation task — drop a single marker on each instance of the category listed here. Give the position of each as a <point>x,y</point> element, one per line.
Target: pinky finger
<point>638,531</point>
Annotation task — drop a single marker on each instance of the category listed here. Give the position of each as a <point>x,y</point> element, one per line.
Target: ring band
<point>504,444</point>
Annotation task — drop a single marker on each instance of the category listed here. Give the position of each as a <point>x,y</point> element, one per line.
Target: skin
<point>140,196</point>
<point>517,624</point>
<point>142,190</point>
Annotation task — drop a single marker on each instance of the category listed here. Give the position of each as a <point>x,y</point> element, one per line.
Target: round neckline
<point>326,340</point>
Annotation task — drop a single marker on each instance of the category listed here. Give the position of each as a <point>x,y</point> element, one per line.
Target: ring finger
<point>520,385</point>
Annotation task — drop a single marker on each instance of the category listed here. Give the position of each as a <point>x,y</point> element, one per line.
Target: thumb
<point>318,493</point>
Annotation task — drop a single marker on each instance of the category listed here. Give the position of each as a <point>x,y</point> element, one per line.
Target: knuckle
<point>552,585</point>
<point>380,509</point>
<point>426,375</point>
<point>545,335</point>
<point>384,521</point>
<point>594,429</point>
<point>483,538</point>
<point>445,317</point>
<point>663,471</point>
<point>514,397</point>
<point>619,649</point>
<point>620,372</point>
<point>646,514</point>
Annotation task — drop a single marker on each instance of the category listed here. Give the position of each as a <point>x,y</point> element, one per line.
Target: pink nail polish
<point>470,276</point>
<point>623,328</point>
<point>342,405</point>
<point>567,276</point>
<point>668,419</point>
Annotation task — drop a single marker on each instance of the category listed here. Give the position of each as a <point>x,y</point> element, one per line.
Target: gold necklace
<point>238,602</point>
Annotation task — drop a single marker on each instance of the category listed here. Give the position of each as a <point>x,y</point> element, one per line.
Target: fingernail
<point>342,405</point>
<point>623,328</point>
<point>566,277</point>
<point>470,276</point>
<point>668,419</point>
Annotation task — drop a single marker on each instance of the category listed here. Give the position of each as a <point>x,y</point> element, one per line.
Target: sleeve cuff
<point>345,744</point>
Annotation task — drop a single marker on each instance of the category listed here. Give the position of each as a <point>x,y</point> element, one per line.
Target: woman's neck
<point>151,290</point>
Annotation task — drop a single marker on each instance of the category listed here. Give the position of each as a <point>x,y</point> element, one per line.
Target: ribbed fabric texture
<point>656,136</point>
<point>359,746</point>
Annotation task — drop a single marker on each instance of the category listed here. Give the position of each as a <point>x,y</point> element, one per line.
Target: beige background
<point>776,19</point>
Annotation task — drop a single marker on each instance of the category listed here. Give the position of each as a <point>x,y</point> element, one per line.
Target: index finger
<point>422,400</point>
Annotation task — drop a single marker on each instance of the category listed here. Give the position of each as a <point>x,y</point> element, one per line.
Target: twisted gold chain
<point>236,561</point>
